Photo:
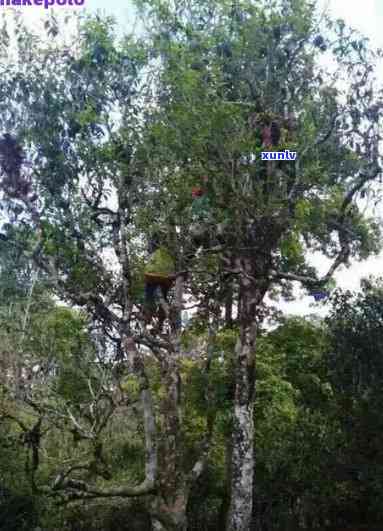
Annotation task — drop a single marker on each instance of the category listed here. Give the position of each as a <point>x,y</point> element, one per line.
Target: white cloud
<point>363,16</point>
<point>368,19</point>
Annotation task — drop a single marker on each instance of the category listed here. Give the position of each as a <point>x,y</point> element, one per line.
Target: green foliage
<point>72,386</point>
<point>17,513</point>
<point>354,363</point>
<point>108,516</point>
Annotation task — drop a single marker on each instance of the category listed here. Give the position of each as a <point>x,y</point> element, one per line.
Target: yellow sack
<point>160,265</point>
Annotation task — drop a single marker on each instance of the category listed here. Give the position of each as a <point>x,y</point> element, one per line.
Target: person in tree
<point>200,217</point>
<point>159,276</point>
<point>207,228</point>
<point>274,130</point>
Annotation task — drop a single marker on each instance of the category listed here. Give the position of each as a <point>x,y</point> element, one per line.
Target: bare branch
<point>358,186</point>
<point>144,488</point>
<point>14,419</point>
<point>339,260</point>
<point>201,463</point>
<point>148,486</point>
<point>78,426</point>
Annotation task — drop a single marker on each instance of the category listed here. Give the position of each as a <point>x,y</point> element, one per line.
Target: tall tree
<point>238,79</point>
<point>73,178</point>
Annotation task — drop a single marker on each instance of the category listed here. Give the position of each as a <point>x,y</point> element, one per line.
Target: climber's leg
<point>163,309</point>
<point>149,301</point>
<point>199,235</point>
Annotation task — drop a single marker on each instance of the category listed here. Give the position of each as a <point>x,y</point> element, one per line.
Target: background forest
<point>146,394</point>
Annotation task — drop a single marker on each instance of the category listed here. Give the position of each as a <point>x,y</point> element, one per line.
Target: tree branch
<point>340,259</point>
<point>201,463</point>
<point>144,488</point>
<point>358,186</point>
<point>148,486</point>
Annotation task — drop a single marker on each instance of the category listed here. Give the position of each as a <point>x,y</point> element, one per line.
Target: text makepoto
<point>45,3</point>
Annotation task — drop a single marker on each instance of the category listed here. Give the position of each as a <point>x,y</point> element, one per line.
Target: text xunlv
<point>279,155</point>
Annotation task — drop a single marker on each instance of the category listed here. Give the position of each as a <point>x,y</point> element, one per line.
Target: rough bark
<point>170,514</point>
<point>169,507</point>
<point>242,466</point>
<point>175,480</point>
<point>242,458</point>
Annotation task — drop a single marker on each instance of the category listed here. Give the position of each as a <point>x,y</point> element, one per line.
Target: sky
<point>365,16</point>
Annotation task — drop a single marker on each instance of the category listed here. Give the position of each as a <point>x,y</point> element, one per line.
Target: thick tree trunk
<point>229,307</point>
<point>170,515</point>
<point>242,461</point>
<point>242,466</point>
<point>169,509</point>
